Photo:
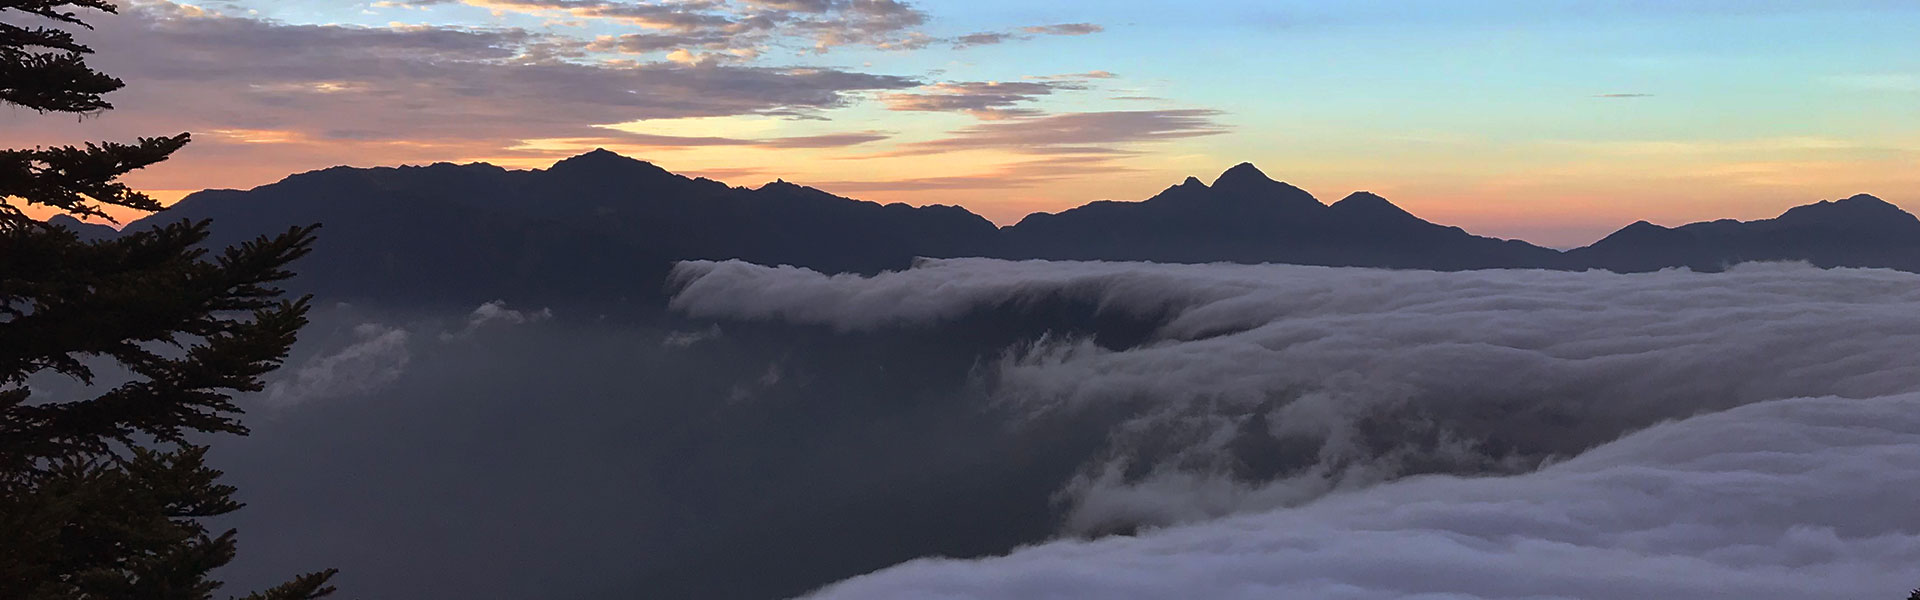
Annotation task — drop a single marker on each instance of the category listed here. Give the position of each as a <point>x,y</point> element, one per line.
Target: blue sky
<point>1555,121</point>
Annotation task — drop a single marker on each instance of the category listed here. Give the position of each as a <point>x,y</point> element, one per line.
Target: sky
<point>1555,121</point>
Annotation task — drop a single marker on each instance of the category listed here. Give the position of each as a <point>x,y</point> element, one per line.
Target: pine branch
<point>13,39</point>
<point>55,9</point>
<point>58,81</point>
<point>305,587</point>
<point>54,82</point>
<point>101,310</point>
<point>102,497</point>
<point>78,180</point>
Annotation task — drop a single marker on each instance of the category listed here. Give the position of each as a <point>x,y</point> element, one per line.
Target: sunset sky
<point>1555,121</point>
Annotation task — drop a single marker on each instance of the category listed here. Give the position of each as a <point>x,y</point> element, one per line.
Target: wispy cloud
<point>1076,133</point>
<point>988,38</point>
<point>1043,149</point>
<point>376,357</point>
<point>1011,175</point>
<point>1065,29</point>
<point>622,138</point>
<point>741,27</point>
<point>309,96</point>
<point>987,100</point>
<point>1073,76</point>
<point>495,313</point>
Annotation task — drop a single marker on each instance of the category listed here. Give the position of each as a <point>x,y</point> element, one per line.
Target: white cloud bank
<point>1788,499</point>
<point>1265,388</point>
<point>1270,385</point>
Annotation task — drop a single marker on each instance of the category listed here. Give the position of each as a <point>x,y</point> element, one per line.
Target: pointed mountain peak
<point>1191,188</point>
<point>1245,183</point>
<point>1639,232</point>
<point>1242,174</point>
<point>1370,205</point>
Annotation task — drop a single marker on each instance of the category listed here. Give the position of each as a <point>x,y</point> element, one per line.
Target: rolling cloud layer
<point>1253,430</point>
<point>1259,388</point>
<point>1784,499</point>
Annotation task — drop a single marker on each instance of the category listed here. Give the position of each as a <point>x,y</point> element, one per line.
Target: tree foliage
<point>104,497</point>
<point>45,69</point>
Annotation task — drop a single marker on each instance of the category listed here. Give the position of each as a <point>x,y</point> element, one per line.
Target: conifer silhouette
<point>103,497</point>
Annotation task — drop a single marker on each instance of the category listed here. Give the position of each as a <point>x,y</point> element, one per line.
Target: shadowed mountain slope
<point>86,231</point>
<point>601,228</point>
<point>1861,231</point>
<point>1247,217</point>
<point>595,227</point>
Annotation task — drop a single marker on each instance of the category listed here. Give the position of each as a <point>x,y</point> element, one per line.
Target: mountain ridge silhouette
<point>608,227</point>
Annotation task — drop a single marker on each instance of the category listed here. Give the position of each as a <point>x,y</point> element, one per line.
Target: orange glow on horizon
<point>1557,206</point>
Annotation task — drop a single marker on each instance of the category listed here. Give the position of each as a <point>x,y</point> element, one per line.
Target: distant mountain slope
<point>1247,217</point>
<point>86,231</point>
<point>1861,231</point>
<point>596,227</point>
<point>603,228</point>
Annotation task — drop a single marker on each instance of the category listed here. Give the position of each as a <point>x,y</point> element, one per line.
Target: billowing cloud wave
<point>1259,387</point>
<point>1787,499</point>
<point>1261,431</point>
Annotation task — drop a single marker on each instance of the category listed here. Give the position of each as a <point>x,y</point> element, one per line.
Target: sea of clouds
<point>1109,430</point>
<point>1789,499</point>
<point>1287,431</point>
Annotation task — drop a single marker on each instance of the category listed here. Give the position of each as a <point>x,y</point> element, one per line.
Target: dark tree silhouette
<point>103,497</point>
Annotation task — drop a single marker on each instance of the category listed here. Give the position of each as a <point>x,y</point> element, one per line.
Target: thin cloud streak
<point>1073,133</point>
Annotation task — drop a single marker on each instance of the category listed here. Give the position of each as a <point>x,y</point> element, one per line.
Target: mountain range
<point>604,227</point>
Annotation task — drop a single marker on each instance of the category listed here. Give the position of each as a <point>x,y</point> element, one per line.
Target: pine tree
<point>103,497</point>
